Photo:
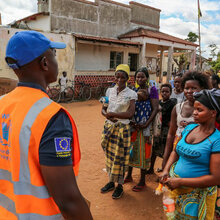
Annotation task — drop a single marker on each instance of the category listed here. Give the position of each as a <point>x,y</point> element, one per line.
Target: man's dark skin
<point>60,180</point>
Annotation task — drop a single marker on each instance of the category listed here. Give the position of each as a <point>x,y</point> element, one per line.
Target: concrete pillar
<point>161,65</point>
<point>125,57</point>
<point>193,60</point>
<point>73,50</point>
<point>142,58</point>
<point>169,64</point>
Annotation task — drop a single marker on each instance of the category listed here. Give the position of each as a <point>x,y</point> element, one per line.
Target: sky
<point>177,17</point>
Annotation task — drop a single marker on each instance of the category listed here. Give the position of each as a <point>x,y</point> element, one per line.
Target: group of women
<point>189,142</point>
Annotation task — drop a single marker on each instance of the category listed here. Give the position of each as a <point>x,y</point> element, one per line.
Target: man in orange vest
<point>39,147</point>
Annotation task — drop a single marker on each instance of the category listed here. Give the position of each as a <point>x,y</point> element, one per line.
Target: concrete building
<point>104,34</point>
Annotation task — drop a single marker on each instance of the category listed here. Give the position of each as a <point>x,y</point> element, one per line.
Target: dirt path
<point>133,205</point>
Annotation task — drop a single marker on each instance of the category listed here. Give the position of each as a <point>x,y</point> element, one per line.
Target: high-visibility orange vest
<point>24,115</point>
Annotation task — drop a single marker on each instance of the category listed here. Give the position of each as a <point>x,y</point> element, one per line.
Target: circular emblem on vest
<point>63,144</point>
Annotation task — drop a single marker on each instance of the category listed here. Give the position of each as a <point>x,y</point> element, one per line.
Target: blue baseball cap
<point>26,46</point>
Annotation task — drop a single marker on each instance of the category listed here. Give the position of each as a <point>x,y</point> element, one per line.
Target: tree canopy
<point>215,55</point>
<point>192,37</point>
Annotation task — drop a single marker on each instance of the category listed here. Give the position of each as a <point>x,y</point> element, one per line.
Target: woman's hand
<point>142,126</point>
<point>136,126</point>
<point>173,183</point>
<point>111,116</point>
<point>163,176</point>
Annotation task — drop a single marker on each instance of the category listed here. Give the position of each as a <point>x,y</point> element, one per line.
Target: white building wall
<point>151,50</point>
<point>42,23</point>
<point>65,57</point>
<point>97,57</point>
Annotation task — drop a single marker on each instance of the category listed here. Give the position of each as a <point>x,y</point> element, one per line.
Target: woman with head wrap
<point>116,136</point>
<point>192,171</point>
<point>182,113</point>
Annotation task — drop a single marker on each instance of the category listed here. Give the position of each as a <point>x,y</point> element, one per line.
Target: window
<point>116,58</point>
<point>133,61</point>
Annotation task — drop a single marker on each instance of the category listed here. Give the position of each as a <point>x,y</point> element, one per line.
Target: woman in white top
<point>116,136</point>
<point>182,113</point>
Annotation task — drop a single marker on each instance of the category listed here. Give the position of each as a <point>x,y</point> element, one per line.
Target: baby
<point>142,94</point>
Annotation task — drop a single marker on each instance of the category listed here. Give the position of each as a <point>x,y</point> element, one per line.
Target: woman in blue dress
<point>192,171</point>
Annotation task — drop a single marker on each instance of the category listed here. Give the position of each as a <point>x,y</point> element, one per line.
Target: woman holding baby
<point>146,108</point>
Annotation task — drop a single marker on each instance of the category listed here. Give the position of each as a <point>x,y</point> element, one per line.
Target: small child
<point>143,94</point>
<point>166,106</point>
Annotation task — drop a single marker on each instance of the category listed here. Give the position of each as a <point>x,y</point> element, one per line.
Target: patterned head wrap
<point>209,98</point>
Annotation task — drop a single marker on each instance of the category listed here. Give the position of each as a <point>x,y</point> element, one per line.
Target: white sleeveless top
<point>182,122</point>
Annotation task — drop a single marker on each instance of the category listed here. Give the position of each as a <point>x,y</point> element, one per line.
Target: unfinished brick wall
<point>98,80</point>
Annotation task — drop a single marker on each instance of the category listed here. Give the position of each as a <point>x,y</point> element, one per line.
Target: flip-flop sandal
<point>138,188</point>
<point>128,180</point>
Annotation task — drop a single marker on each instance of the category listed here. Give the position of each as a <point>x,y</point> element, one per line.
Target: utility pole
<point>200,54</point>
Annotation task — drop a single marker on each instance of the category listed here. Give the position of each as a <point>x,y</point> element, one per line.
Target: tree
<point>213,49</point>
<point>215,62</point>
<point>192,37</point>
<point>181,62</point>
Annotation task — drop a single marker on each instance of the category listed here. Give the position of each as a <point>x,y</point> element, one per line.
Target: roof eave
<point>105,40</point>
<point>33,17</point>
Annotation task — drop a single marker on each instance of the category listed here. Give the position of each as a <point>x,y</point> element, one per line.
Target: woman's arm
<point>199,182</point>
<point>170,137</point>
<point>105,114</point>
<point>123,115</point>
<point>172,159</point>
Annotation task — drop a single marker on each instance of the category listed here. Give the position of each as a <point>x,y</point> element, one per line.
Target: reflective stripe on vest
<point>7,204</point>
<point>10,206</point>
<point>24,186</point>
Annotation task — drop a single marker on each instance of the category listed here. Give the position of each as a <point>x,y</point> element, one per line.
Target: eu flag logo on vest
<point>62,144</point>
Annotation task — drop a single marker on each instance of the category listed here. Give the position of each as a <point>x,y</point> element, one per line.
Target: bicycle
<point>54,92</point>
<point>102,88</point>
<point>77,91</point>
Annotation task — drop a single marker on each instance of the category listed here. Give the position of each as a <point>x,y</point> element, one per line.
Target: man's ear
<point>44,63</point>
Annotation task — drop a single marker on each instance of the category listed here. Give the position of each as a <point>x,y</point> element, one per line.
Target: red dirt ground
<point>133,205</point>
